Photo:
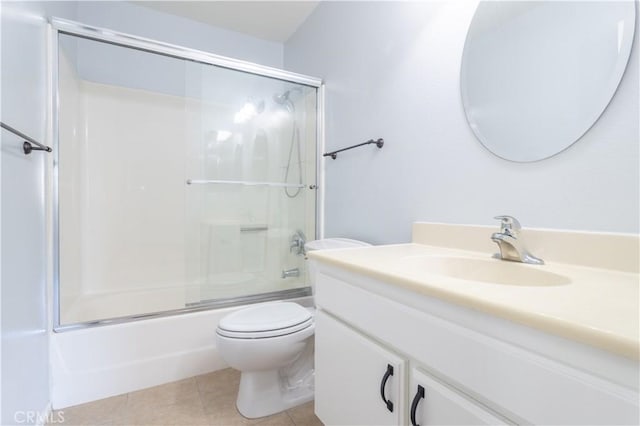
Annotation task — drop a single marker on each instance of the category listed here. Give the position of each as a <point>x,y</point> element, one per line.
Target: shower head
<point>284,99</point>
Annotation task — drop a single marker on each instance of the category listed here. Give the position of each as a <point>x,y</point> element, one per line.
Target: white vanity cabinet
<point>360,382</point>
<point>474,368</point>
<point>436,403</point>
<point>354,374</point>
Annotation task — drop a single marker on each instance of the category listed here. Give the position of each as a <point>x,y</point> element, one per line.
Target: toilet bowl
<point>271,344</point>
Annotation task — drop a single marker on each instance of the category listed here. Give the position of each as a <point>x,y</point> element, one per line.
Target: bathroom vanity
<point>439,332</point>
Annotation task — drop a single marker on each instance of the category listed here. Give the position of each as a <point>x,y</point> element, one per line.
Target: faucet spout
<point>510,243</point>
<point>290,273</point>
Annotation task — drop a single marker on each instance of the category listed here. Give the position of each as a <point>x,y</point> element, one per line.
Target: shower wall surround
<point>392,69</point>
<point>148,147</point>
<point>108,249</point>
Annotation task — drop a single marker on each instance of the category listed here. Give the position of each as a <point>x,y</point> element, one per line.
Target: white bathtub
<point>99,362</point>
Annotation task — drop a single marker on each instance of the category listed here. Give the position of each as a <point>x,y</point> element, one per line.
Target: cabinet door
<point>433,403</point>
<point>353,373</point>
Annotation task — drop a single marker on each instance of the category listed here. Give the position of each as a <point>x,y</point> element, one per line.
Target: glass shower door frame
<point>62,26</point>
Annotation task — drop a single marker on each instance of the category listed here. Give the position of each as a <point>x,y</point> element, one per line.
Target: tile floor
<point>202,400</point>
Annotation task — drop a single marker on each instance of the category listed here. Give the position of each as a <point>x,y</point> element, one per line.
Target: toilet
<point>271,344</point>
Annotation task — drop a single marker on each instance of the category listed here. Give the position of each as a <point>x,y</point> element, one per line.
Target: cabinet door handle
<point>414,405</point>
<point>386,376</point>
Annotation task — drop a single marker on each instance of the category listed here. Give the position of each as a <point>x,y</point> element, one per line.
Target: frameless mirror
<point>537,75</point>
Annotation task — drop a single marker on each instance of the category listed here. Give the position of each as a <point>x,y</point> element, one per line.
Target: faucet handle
<point>297,241</point>
<point>509,224</point>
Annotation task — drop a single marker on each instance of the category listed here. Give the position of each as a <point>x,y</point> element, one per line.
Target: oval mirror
<point>537,75</point>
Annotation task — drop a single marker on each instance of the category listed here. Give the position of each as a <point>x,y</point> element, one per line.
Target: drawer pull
<point>414,405</point>
<point>386,376</point>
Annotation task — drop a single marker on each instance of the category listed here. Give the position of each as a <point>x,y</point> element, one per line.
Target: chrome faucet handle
<point>509,225</point>
<point>297,242</point>
<point>511,245</point>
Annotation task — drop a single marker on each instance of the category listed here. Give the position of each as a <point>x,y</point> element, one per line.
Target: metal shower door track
<point>148,45</point>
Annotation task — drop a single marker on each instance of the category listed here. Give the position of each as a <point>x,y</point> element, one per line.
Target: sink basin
<point>493,271</point>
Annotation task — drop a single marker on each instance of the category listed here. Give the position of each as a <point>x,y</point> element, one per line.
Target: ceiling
<point>268,20</point>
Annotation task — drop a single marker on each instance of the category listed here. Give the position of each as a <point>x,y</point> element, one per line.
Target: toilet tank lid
<point>334,243</point>
<point>265,317</point>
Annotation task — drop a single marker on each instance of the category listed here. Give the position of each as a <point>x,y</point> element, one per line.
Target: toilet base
<point>263,393</point>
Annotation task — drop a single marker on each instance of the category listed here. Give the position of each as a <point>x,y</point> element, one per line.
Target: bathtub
<point>99,362</point>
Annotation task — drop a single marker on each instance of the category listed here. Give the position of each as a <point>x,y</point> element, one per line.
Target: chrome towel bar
<point>29,143</point>
<point>245,183</point>
<point>254,228</point>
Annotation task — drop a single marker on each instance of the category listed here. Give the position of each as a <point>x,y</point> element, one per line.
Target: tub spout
<point>288,273</point>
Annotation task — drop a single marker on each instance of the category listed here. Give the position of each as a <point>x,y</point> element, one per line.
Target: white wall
<point>392,70</point>
<point>138,20</point>
<point>25,343</point>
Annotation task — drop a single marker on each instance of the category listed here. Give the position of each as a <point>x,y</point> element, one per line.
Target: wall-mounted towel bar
<point>29,143</point>
<point>254,228</point>
<point>334,154</point>
<point>245,183</point>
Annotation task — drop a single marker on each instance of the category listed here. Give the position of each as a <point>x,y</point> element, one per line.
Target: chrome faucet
<point>510,242</point>
<point>297,243</point>
<point>288,273</point>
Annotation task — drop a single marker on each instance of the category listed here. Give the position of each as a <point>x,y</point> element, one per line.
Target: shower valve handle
<point>297,242</point>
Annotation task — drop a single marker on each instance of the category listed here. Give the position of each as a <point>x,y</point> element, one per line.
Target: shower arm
<point>334,154</point>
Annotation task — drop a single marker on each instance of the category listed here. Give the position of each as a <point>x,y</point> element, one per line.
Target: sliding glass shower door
<point>250,160</point>
<point>180,183</point>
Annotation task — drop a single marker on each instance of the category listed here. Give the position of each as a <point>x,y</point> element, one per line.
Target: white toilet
<point>272,346</point>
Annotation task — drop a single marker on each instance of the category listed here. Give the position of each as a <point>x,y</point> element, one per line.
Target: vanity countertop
<point>593,305</point>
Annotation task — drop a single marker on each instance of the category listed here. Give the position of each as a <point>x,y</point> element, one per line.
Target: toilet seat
<point>266,320</point>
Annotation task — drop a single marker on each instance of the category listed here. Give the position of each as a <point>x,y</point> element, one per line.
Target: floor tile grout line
<point>290,418</point>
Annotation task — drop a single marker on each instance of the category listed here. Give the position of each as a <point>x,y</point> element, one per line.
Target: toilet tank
<point>333,243</point>
<point>328,244</point>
